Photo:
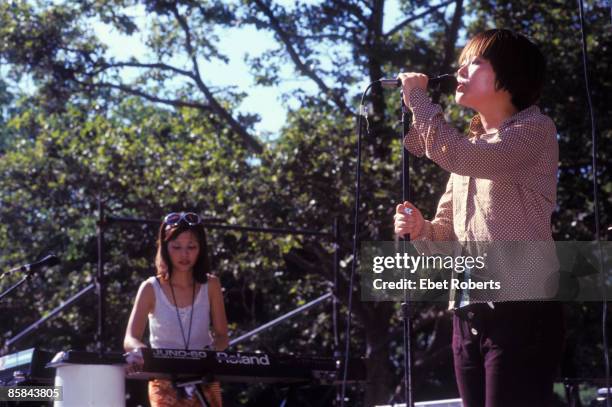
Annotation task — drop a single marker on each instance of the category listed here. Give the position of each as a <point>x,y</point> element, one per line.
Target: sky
<point>235,43</point>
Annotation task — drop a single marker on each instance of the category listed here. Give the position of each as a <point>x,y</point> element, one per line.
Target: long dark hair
<point>166,234</point>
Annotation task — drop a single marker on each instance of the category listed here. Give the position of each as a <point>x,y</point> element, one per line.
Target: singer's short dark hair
<point>518,64</point>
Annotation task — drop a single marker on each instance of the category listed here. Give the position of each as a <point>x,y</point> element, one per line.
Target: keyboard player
<point>183,305</point>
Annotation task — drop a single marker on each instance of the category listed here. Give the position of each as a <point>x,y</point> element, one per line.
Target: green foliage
<point>86,131</point>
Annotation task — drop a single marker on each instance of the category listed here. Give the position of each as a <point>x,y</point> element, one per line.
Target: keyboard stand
<point>198,391</point>
<point>200,396</point>
<point>290,396</point>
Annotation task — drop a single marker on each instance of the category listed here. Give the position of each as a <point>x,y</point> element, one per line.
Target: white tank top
<point>164,329</point>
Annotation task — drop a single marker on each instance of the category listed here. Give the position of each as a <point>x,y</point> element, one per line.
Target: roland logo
<point>179,354</point>
<point>239,359</point>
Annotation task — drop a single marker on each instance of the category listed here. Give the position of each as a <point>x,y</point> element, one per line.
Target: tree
<point>76,138</point>
<point>49,43</point>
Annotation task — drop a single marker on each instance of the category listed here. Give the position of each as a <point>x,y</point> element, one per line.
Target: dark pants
<point>507,356</point>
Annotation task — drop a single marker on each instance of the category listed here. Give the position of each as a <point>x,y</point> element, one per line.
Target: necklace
<point>185,341</point>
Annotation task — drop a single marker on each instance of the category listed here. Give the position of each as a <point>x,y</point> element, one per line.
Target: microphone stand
<point>405,307</point>
<point>386,83</point>
<point>435,82</point>
<point>10,289</point>
<point>28,269</point>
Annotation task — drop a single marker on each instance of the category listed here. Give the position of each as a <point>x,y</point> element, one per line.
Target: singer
<point>502,187</point>
<point>182,302</point>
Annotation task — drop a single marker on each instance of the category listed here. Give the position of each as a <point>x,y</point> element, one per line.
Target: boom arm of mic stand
<point>14,286</point>
<point>53,313</point>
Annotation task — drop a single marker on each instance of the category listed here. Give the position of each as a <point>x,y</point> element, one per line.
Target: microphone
<point>49,261</point>
<point>446,80</point>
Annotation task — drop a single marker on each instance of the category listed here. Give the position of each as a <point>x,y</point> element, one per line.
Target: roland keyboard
<point>243,367</point>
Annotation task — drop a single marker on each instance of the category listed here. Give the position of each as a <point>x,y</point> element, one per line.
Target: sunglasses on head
<point>174,218</point>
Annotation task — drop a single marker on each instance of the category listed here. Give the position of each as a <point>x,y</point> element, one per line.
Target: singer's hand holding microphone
<point>411,80</point>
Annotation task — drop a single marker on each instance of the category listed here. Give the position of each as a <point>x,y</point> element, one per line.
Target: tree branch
<point>301,66</point>
<point>152,98</point>
<point>335,37</point>
<point>451,34</point>
<point>416,17</point>
<point>250,142</point>
<point>136,64</point>
<point>355,11</point>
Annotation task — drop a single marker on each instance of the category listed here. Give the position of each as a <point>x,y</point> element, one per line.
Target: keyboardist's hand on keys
<point>134,361</point>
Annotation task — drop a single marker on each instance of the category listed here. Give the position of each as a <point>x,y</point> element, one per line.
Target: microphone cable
<point>363,113</point>
<point>596,203</point>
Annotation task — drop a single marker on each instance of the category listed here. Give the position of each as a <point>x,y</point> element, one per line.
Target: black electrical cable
<point>596,203</point>
<point>362,113</point>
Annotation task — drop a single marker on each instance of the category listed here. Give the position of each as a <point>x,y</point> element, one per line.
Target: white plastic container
<point>87,384</point>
